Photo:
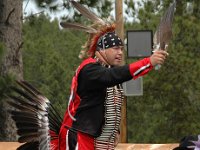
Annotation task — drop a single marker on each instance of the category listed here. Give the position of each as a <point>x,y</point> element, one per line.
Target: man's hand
<point>158,57</point>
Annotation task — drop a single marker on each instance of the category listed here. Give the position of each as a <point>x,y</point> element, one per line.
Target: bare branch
<point>19,47</point>
<point>33,15</point>
<point>7,20</point>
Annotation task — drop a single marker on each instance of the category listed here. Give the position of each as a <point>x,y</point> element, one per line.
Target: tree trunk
<point>11,64</point>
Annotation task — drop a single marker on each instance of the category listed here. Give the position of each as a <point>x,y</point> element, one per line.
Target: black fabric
<point>109,40</point>
<point>72,139</point>
<point>92,83</point>
<point>185,142</point>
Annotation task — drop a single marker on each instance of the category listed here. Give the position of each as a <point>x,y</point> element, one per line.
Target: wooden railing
<point>129,146</point>
<point>9,145</point>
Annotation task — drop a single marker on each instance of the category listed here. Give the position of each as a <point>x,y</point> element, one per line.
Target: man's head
<point>110,47</point>
<point>112,56</point>
<point>108,40</point>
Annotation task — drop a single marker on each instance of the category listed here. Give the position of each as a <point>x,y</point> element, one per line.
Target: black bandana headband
<point>108,40</point>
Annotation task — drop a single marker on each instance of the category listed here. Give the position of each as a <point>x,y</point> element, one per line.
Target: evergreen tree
<point>169,108</point>
<point>50,58</point>
<point>102,8</point>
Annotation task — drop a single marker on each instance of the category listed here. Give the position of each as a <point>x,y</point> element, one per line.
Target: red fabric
<point>54,142</point>
<point>62,138</point>
<point>67,121</point>
<point>84,141</point>
<point>134,67</point>
<point>76,101</point>
<point>72,107</point>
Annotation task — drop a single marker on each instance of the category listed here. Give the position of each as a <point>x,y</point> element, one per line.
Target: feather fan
<point>163,33</point>
<point>36,119</point>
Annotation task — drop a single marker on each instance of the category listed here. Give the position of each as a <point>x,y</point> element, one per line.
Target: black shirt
<point>92,83</point>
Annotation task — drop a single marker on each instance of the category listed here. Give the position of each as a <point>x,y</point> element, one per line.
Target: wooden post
<point>120,32</point>
<point>119,18</point>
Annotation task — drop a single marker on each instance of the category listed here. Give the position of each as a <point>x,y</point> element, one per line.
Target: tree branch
<point>7,20</point>
<point>19,47</point>
<point>32,15</point>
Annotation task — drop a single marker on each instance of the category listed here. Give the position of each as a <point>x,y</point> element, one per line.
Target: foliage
<point>102,8</point>
<point>169,108</point>
<point>50,58</point>
<point>1,51</point>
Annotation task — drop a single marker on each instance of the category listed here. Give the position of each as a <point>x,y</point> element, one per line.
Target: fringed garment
<point>113,105</point>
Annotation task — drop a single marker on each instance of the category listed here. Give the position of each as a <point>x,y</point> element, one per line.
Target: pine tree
<point>169,108</point>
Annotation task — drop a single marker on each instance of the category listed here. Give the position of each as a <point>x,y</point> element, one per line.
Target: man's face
<point>114,55</point>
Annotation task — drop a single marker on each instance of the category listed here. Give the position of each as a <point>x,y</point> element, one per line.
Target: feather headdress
<point>96,30</point>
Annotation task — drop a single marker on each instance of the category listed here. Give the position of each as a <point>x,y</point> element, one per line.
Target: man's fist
<point>158,57</point>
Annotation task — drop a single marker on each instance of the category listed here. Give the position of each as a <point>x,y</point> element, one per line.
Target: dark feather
<point>22,94</point>
<point>23,101</point>
<point>28,97</point>
<point>54,112</point>
<point>55,119</point>
<point>31,137</point>
<point>33,95</point>
<point>88,14</point>
<point>77,27</point>
<point>163,33</point>
<point>18,118</point>
<point>21,124</point>
<point>22,107</point>
<point>21,132</point>
<point>23,114</point>
<point>28,87</point>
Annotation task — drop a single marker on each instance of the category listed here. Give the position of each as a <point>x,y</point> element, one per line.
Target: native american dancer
<point>92,119</point>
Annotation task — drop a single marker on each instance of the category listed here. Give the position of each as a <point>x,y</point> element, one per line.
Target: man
<point>93,116</point>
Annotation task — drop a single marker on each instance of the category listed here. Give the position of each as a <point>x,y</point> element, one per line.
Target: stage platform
<point>129,146</point>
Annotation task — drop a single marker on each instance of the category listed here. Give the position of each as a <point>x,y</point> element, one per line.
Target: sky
<point>29,7</point>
